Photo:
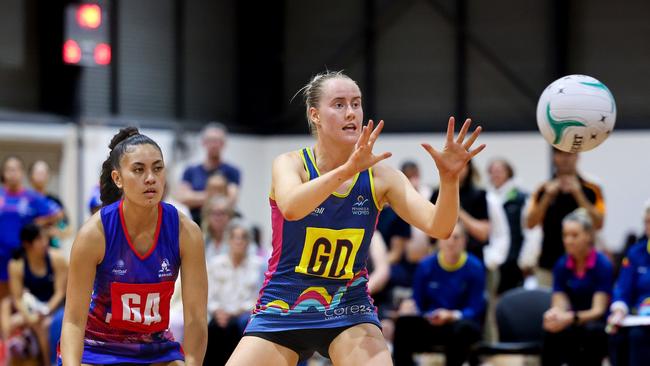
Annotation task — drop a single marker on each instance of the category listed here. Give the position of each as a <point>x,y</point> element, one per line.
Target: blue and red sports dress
<point>129,309</point>
<point>317,275</point>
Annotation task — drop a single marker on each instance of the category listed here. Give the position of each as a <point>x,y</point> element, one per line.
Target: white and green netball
<point>576,113</point>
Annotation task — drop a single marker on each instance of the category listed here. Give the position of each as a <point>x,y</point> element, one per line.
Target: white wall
<point>620,165</point>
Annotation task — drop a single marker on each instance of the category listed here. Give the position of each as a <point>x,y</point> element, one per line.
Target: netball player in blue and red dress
<point>324,205</point>
<point>124,262</point>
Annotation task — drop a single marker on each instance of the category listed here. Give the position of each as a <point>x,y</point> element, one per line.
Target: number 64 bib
<point>141,307</point>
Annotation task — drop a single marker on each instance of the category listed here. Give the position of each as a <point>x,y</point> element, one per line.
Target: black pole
<point>370,57</point>
<point>179,57</point>
<point>461,59</point>
<point>559,39</point>
<point>115,67</point>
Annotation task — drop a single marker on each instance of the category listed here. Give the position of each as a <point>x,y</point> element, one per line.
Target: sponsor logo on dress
<point>359,207</point>
<point>350,310</point>
<point>165,271</point>
<point>119,268</point>
<point>318,211</point>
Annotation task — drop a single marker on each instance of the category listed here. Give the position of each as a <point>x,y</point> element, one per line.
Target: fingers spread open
<point>463,131</point>
<point>375,134</point>
<point>450,130</point>
<point>475,152</point>
<point>472,138</point>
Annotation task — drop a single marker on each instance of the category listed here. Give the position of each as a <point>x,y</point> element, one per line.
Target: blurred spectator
<point>582,286</point>
<point>95,201</point>
<point>395,232</point>
<point>506,194</point>
<point>234,280</point>
<point>18,207</point>
<point>37,279</point>
<point>217,214</point>
<point>448,307</point>
<point>631,345</point>
<point>556,198</point>
<point>378,265</point>
<point>39,178</point>
<point>473,211</point>
<point>192,190</point>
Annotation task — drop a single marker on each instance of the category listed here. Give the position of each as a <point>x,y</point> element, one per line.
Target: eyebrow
<point>343,98</point>
<point>159,161</point>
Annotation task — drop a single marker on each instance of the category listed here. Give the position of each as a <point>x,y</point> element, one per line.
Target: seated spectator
<point>37,279</point>
<point>631,345</point>
<point>448,307</point>
<point>582,284</point>
<point>234,279</point>
<point>217,213</point>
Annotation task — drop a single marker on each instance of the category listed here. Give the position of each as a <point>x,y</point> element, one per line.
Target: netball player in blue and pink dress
<point>124,262</point>
<point>324,205</point>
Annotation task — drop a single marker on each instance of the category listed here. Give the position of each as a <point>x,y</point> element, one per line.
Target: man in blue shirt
<point>449,294</point>
<point>192,191</point>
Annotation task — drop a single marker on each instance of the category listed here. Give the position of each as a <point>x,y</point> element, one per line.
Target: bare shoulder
<point>57,258</point>
<point>289,159</point>
<point>90,242</point>
<point>190,232</point>
<point>16,267</point>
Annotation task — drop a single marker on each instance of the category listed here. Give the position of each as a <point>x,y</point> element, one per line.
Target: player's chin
<point>151,200</point>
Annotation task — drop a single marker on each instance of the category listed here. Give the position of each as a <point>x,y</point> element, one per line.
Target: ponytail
<point>126,137</point>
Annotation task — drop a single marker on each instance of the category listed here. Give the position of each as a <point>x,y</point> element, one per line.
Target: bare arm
<point>381,273</point>
<point>560,301</point>
<point>598,308</point>
<point>595,210</point>
<point>436,220</point>
<point>297,199</point>
<point>194,283</point>
<point>189,197</point>
<point>87,252</point>
<point>477,228</point>
<point>16,287</point>
<point>538,206</point>
<point>397,248</point>
<point>60,267</point>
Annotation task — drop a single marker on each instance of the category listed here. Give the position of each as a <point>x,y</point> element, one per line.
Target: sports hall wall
<point>619,165</point>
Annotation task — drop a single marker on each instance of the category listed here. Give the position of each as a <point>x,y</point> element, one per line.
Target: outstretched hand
<point>363,158</point>
<point>455,154</point>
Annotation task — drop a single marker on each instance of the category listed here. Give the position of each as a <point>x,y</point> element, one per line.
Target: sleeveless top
<point>317,276</point>
<point>129,309</point>
<point>42,287</point>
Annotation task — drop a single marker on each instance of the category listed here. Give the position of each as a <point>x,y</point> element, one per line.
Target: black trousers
<point>582,345</point>
<point>222,342</point>
<point>415,334</point>
<point>510,277</point>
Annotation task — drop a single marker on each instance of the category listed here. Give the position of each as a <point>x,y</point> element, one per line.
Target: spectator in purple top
<point>582,286</point>
<point>18,207</point>
<point>192,191</point>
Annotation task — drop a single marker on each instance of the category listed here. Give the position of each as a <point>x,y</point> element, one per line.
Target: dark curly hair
<point>127,137</point>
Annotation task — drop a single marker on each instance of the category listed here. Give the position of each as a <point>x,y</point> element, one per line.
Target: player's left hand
<point>456,153</point>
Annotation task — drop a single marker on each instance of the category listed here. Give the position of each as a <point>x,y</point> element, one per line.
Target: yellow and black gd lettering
<point>330,253</point>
